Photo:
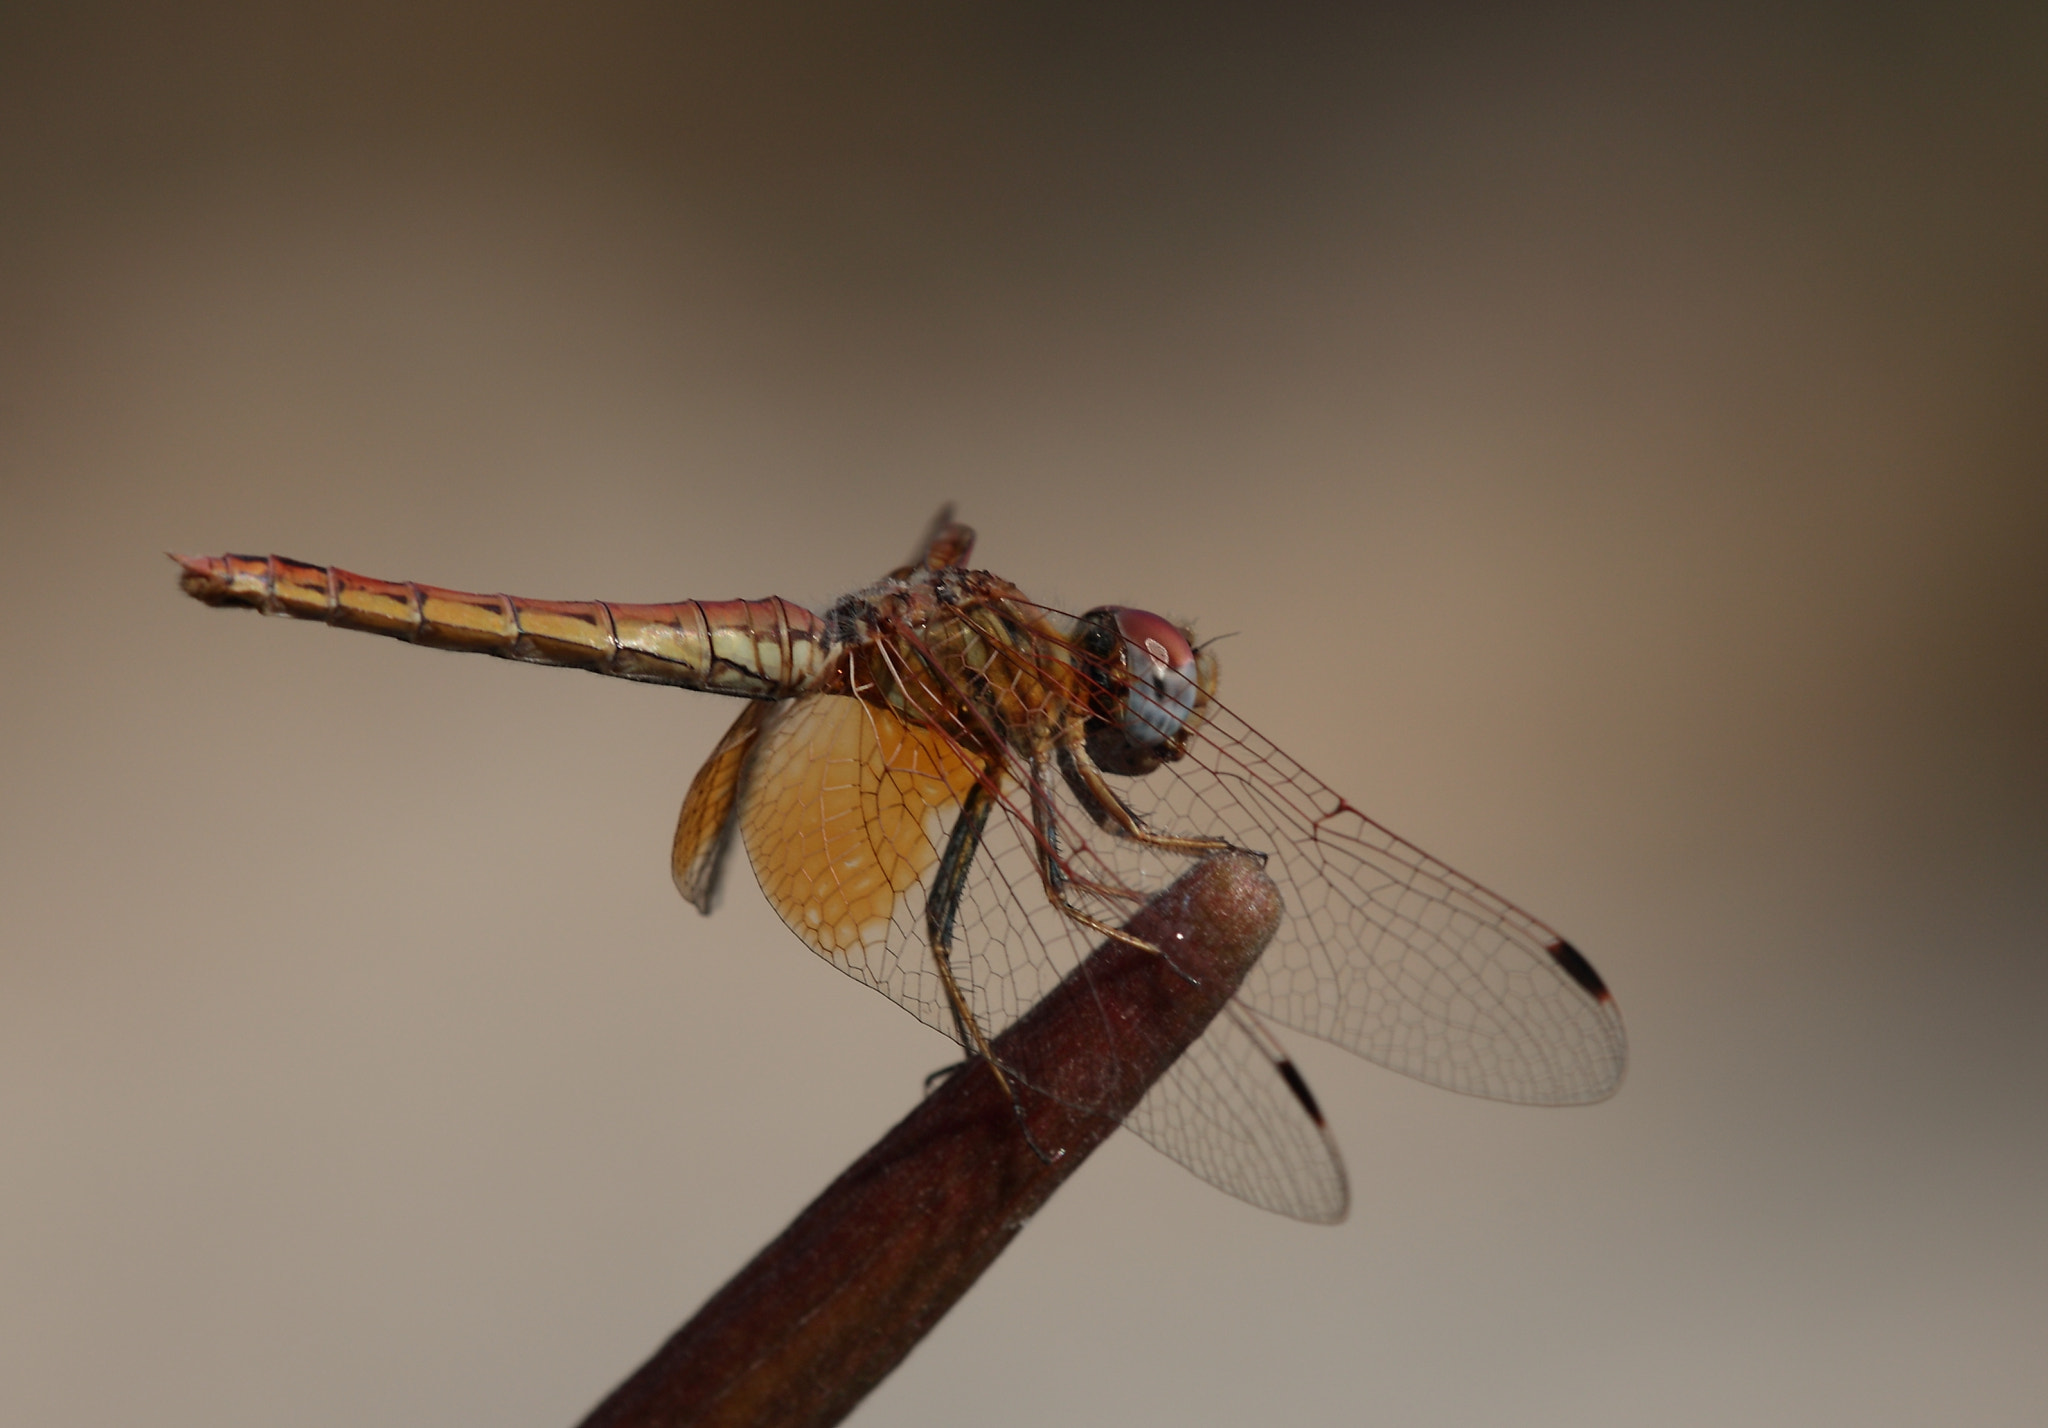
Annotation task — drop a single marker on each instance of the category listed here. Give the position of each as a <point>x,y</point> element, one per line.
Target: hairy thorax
<point>960,651</point>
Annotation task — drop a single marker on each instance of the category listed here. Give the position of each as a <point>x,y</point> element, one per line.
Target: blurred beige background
<point>1621,441</point>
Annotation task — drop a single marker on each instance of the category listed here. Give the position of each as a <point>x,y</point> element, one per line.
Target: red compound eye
<point>1157,637</point>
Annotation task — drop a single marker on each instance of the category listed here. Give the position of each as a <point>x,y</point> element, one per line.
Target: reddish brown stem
<point>824,1313</point>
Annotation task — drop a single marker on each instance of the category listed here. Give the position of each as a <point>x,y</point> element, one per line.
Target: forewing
<point>1384,950</point>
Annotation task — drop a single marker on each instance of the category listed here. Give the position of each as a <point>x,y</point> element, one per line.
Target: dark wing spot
<point>1301,1091</point>
<point>1578,968</point>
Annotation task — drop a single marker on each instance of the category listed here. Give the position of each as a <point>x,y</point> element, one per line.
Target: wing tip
<point>1572,962</point>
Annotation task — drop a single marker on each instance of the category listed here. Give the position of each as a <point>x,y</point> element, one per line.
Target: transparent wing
<point>1384,950</point>
<point>1224,1110</point>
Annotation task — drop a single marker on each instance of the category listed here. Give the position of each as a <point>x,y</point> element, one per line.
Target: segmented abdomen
<point>762,649</point>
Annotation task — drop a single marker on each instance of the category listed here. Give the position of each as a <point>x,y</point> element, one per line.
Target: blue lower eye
<point>1156,714</point>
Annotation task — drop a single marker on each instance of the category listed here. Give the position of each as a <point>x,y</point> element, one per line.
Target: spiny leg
<point>1053,876</point>
<point>1095,795</point>
<point>1101,803</point>
<point>1052,871</point>
<point>942,906</point>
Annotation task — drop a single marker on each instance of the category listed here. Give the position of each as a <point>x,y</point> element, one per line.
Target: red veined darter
<point>953,794</point>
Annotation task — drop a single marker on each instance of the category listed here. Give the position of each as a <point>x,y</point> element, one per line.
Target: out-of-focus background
<point>1620,438</point>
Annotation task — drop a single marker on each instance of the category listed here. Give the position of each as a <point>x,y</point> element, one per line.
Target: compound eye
<point>1160,698</point>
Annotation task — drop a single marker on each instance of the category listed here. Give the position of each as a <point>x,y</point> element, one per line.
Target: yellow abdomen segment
<point>763,649</point>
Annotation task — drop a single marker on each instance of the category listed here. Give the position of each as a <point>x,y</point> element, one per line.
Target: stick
<point>827,1310</point>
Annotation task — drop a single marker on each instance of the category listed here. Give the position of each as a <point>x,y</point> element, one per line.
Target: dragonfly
<point>953,794</point>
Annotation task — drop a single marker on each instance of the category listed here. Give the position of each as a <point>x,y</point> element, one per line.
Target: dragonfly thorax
<point>961,651</point>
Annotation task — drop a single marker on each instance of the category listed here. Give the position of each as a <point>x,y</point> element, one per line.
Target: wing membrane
<point>704,827</point>
<point>1385,950</point>
<point>1223,1109</point>
<point>843,815</point>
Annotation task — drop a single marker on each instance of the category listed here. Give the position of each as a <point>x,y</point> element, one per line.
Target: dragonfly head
<point>1149,688</point>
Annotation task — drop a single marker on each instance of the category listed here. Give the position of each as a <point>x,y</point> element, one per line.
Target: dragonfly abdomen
<point>761,649</point>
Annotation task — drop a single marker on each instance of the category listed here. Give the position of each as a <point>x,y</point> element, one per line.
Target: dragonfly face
<point>1150,688</point>
<point>953,793</point>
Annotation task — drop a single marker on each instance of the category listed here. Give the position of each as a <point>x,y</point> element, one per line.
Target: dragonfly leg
<point>1112,812</point>
<point>941,908</point>
<point>933,1078</point>
<point>1052,872</point>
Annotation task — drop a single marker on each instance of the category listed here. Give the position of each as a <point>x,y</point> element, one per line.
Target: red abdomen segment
<point>760,649</point>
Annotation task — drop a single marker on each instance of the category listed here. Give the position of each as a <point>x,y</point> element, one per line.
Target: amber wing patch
<point>843,812</point>
<point>704,827</point>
